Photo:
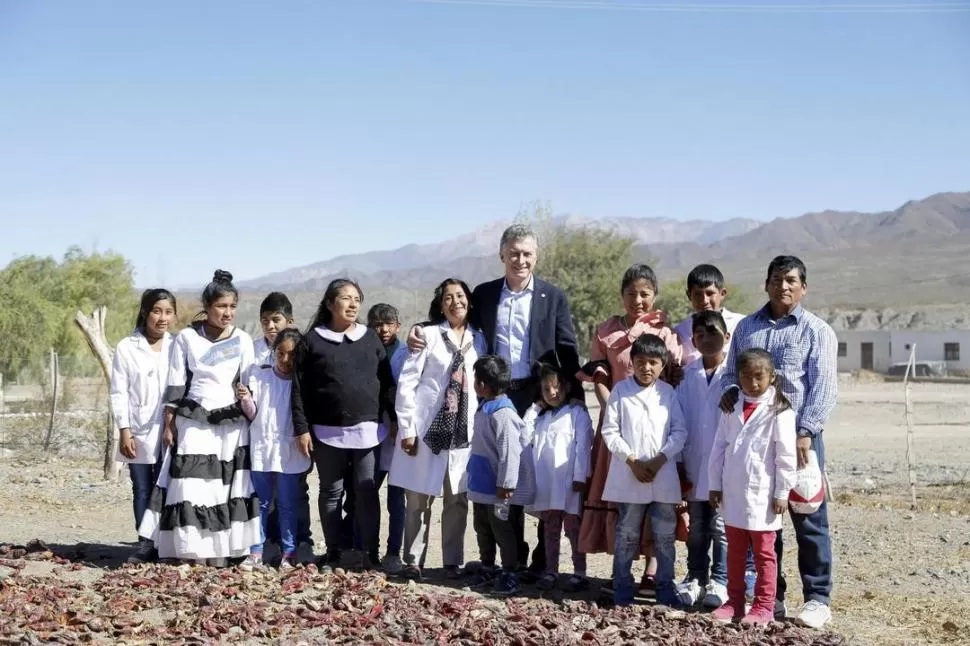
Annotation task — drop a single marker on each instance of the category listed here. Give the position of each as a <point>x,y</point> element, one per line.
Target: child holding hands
<point>643,429</point>
<point>751,470</point>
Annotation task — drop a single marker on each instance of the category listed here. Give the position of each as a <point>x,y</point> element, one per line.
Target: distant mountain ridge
<point>904,259</point>
<point>484,243</point>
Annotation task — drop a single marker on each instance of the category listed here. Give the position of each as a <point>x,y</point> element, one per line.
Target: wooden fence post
<point>910,455</point>
<point>54,377</point>
<point>93,330</point>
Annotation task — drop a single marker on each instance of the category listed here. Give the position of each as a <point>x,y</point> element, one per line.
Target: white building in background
<point>876,350</point>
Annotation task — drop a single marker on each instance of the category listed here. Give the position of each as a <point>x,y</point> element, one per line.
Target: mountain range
<point>910,258</point>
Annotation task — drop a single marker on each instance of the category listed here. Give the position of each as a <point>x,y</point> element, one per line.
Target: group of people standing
<point>484,406</point>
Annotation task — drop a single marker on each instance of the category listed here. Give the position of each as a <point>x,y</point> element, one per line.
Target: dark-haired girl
<point>277,461</point>
<point>139,374</point>
<point>436,405</point>
<point>342,385</point>
<point>204,507</point>
<point>751,471</point>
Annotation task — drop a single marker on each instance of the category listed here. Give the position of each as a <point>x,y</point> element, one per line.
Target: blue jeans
<point>814,546</point>
<point>286,490</point>
<point>629,521</point>
<point>706,533</point>
<point>303,532</point>
<point>143,478</point>
<point>395,515</point>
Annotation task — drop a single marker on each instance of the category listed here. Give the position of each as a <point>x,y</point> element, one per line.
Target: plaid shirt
<point>805,351</point>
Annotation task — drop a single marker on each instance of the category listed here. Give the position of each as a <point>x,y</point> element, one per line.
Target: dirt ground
<point>902,576</point>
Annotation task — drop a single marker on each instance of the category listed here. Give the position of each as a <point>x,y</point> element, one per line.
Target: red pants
<point>763,546</point>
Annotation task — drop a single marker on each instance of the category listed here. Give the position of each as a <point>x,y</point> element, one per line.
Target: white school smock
<point>643,422</point>
<point>138,379</point>
<point>420,394</point>
<point>262,352</point>
<point>700,402</point>
<point>213,365</point>
<point>753,462</point>
<point>272,446</point>
<point>685,332</point>
<point>561,446</point>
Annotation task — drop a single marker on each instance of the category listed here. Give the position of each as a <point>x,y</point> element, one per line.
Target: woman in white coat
<point>139,374</point>
<point>435,406</point>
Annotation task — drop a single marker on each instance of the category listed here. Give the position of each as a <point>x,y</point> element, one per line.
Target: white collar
<point>766,396</point>
<point>355,333</point>
<point>142,341</point>
<point>528,286</point>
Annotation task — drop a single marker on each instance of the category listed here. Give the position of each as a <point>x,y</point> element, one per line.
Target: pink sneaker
<point>725,614</point>
<point>758,617</point>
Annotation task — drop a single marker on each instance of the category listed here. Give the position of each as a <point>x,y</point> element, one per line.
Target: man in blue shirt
<point>805,350</point>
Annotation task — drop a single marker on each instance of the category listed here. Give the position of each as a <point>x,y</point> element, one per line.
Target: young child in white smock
<point>278,463</point>
<point>751,471</point>
<point>562,443</point>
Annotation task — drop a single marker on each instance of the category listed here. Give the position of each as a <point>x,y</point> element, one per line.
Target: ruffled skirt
<point>204,505</point>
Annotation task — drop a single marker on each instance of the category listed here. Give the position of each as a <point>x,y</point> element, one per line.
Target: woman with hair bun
<point>203,508</point>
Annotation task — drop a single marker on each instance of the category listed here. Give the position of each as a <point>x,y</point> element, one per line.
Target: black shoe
<point>328,562</point>
<point>146,553</point>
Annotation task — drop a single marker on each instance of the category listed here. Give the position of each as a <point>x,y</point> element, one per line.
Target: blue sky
<point>258,136</point>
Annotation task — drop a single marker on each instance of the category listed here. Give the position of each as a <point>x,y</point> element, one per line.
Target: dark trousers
<point>523,395</point>
<point>814,546</point>
<point>303,532</point>
<point>143,478</point>
<point>493,532</point>
<point>332,468</point>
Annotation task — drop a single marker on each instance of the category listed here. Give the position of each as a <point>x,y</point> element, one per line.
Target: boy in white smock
<point>643,429</point>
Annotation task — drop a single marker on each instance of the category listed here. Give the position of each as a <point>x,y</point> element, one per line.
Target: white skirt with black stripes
<point>204,505</point>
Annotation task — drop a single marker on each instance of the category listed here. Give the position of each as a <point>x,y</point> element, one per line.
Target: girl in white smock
<point>562,443</point>
<point>435,406</point>
<point>139,375</point>
<point>278,464</point>
<point>752,470</point>
<point>204,506</point>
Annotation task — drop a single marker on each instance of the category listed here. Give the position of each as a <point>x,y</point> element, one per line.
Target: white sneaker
<point>252,562</point>
<point>392,564</point>
<point>715,595</point>
<point>814,614</point>
<point>689,592</point>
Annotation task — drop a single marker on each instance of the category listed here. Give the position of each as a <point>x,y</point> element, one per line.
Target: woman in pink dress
<point>610,363</point>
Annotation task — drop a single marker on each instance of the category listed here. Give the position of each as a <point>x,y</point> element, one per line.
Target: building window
<point>951,351</point>
<point>843,349</point>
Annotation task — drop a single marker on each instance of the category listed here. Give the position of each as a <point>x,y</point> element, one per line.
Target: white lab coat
<point>643,422</point>
<point>561,446</point>
<point>753,462</point>
<point>700,401</point>
<point>138,379</point>
<point>420,395</point>
<point>272,446</point>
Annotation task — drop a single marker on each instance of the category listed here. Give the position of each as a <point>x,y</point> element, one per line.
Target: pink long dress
<point>612,343</point>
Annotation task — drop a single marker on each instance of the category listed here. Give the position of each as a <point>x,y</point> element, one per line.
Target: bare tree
<point>93,330</point>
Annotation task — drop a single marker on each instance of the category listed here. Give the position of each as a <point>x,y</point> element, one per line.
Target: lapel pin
<point>542,294</point>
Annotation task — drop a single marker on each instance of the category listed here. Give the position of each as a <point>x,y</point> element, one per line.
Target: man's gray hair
<point>517,232</point>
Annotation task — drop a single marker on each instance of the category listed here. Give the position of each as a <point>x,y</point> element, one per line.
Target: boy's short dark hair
<point>650,345</point>
<point>709,320</point>
<point>494,373</point>
<point>382,313</point>
<point>785,264</point>
<point>704,276</point>
<point>276,302</point>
